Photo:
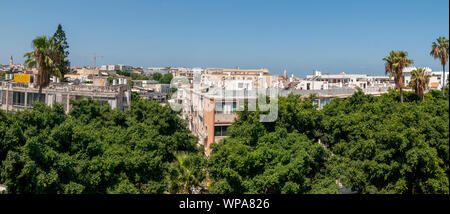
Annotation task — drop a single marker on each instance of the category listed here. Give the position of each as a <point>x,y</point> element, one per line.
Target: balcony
<point>224,118</point>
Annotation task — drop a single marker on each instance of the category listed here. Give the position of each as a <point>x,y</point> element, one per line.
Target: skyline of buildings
<point>186,70</point>
<point>210,100</point>
<point>279,71</point>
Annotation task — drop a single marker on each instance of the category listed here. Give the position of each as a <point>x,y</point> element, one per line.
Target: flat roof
<point>246,70</point>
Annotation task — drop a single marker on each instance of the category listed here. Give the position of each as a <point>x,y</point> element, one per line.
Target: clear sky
<point>332,36</point>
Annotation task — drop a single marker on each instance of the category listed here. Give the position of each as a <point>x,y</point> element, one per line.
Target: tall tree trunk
<point>40,82</point>
<point>423,94</point>
<point>443,80</point>
<point>40,78</point>
<point>39,93</point>
<point>401,94</point>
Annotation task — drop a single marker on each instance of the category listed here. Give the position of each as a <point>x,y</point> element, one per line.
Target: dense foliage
<point>156,76</point>
<point>163,79</point>
<point>367,144</point>
<point>133,76</point>
<point>276,157</point>
<point>389,147</point>
<point>95,149</point>
<point>374,145</point>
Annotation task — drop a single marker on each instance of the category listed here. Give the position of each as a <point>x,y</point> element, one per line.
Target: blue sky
<point>332,36</point>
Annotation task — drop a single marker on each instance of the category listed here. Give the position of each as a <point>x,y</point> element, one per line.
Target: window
<point>218,107</point>
<point>233,106</point>
<point>51,99</point>
<point>33,97</point>
<point>315,102</point>
<point>225,107</point>
<point>220,131</point>
<point>19,98</point>
<point>125,100</point>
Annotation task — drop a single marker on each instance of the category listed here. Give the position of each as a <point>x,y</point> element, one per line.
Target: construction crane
<point>94,57</point>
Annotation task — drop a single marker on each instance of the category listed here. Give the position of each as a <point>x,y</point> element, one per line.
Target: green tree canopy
<point>389,147</point>
<point>94,149</point>
<point>368,144</point>
<point>157,76</point>
<point>276,157</point>
<point>371,144</point>
<point>60,38</point>
<point>166,78</point>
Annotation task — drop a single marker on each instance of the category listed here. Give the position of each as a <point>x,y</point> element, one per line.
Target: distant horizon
<point>333,37</point>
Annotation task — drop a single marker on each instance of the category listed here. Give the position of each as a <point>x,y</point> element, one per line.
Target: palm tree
<point>440,51</point>
<point>183,178</point>
<point>45,55</point>
<point>419,81</point>
<point>395,63</point>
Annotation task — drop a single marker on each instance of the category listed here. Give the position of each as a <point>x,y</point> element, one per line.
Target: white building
<point>320,81</point>
<point>237,79</point>
<point>435,77</point>
<point>112,68</point>
<point>313,85</point>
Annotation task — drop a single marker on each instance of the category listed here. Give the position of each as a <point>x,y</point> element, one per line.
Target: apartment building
<point>188,73</point>
<point>152,90</point>
<point>210,112</point>
<point>238,79</point>
<point>20,95</point>
<point>152,85</point>
<point>210,101</point>
<point>342,80</point>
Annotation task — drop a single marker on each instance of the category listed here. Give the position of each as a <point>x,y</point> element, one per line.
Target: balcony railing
<point>65,87</point>
<point>224,118</point>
